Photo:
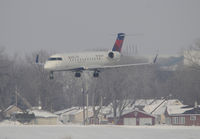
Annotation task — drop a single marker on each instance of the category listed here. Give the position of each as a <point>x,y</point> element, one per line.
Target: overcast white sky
<point>75,25</point>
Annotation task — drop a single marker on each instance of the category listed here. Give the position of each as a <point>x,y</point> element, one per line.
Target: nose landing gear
<point>51,77</point>
<point>77,74</point>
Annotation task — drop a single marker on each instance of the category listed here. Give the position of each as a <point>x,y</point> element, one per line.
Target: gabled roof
<point>72,111</point>
<point>126,112</point>
<point>158,107</point>
<point>143,102</point>
<point>65,110</point>
<point>177,109</point>
<point>193,111</point>
<point>42,113</point>
<point>10,107</point>
<point>129,111</point>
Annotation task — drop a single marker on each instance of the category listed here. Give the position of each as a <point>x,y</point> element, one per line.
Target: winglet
<point>155,59</point>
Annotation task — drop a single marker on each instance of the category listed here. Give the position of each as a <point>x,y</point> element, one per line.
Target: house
<point>133,117</point>
<point>43,117</point>
<point>158,107</point>
<point>105,110</point>
<point>184,115</point>
<point>62,114</point>
<point>10,111</point>
<point>22,117</point>
<point>73,115</point>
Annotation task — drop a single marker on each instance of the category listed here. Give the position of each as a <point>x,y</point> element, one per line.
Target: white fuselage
<point>73,61</point>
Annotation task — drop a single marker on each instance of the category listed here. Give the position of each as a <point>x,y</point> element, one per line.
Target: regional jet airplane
<point>93,61</point>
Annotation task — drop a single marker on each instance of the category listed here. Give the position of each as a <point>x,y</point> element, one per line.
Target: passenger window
<point>55,59</point>
<point>59,58</point>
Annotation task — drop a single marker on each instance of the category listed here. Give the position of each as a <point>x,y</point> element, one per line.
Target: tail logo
<point>119,42</point>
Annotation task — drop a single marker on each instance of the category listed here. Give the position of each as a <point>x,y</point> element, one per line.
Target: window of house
<point>175,120</point>
<point>182,120</point>
<point>192,117</point>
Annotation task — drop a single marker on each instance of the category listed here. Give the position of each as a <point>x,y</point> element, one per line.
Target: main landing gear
<point>95,74</point>
<point>77,74</point>
<point>51,77</point>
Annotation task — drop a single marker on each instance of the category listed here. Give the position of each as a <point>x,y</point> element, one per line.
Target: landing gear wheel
<point>96,74</point>
<point>51,77</point>
<point>78,74</point>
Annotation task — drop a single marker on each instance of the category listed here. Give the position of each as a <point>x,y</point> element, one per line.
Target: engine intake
<point>111,55</point>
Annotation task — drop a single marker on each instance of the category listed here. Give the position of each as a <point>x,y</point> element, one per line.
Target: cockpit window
<point>55,59</point>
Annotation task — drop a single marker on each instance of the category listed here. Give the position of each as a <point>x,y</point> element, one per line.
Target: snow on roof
<point>10,107</point>
<point>42,113</point>
<point>128,111</point>
<point>149,106</point>
<point>75,110</point>
<point>177,109</point>
<point>106,109</point>
<point>155,109</point>
<point>65,110</point>
<point>143,102</point>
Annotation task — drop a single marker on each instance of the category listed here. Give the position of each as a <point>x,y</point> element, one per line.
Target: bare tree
<point>192,55</point>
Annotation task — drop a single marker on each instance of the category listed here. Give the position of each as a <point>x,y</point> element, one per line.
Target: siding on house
<point>11,110</point>
<point>135,117</point>
<point>73,115</point>
<point>184,119</point>
<point>43,117</point>
<point>187,116</point>
<point>44,121</point>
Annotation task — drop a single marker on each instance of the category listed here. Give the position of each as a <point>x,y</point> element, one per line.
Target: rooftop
<point>42,113</point>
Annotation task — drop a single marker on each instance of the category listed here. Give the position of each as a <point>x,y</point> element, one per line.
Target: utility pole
<point>84,90</point>
<point>101,107</point>
<point>83,95</point>
<point>16,98</point>
<point>87,108</point>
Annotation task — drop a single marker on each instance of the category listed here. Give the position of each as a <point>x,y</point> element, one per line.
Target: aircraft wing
<point>116,66</point>
<point>120,66</point>
<point>104,67</point>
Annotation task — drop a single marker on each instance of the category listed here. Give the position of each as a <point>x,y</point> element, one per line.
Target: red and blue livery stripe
<point>119,42</point>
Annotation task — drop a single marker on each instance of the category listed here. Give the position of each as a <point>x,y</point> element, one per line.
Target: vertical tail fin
<point>119,42</point>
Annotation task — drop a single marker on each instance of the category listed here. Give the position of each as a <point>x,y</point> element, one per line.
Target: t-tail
<point>119,42</point>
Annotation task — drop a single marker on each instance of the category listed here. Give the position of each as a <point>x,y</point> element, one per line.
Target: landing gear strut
<point>77,74</point>
<point>51,77</point>
<point>96,74</point>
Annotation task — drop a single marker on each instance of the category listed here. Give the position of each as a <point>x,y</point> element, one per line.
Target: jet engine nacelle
<point>114,55</point>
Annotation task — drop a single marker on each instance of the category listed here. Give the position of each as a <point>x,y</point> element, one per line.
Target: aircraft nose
<point>47,66</point>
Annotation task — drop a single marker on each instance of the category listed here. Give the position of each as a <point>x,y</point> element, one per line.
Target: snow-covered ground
<point>98,132</point>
